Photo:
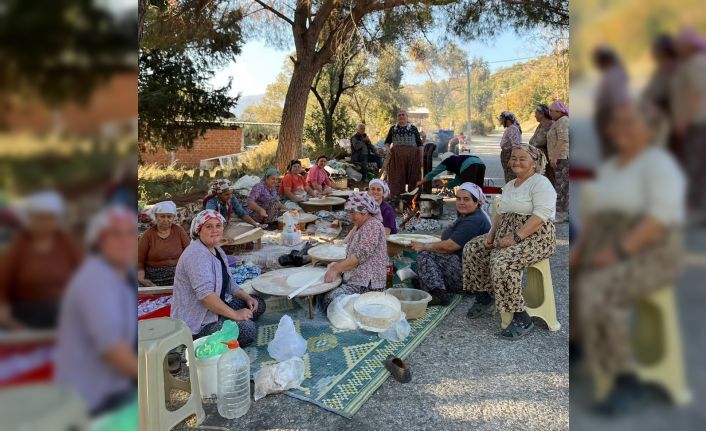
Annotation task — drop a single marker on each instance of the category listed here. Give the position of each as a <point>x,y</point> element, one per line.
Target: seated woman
<point>439,263</point>
<point>318,178</point>
<point>160,247</point>
<point>96,352</point>
<point>202,281</point>
<point>379,190</point>
<point>221,199</point>
<point>522,234</point>
<point>630,246</point>
<point>467,168</point>
<point>37,265</point>
<point>263,203</point>
<point>365,267</point>
<point>294,185</point>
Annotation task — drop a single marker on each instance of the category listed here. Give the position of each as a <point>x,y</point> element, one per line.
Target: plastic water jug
<point>233,382</point>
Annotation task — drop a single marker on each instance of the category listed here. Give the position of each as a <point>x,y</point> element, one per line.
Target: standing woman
<point>439,263</point>
<point>318,178</point>
<point>512,136</point>
<point>539,139</point>
<point>221,199</point>
<point>264,205</point>
<point>522,234</point>
<point>405,147</point>
<point>558,147</point>
<point>160,247</point>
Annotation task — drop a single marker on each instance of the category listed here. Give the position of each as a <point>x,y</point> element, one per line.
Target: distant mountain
<point>246,101</point>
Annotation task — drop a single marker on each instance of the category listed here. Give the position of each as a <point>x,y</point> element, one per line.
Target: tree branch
<point>276,12</point>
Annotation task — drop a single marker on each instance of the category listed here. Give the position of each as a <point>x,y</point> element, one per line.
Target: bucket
<point>413,301</point>
<point>207,372</point>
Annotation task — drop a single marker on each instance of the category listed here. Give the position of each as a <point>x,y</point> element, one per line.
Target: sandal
<point>478,309</point>
<point>516,330</point>
<point>399,370</point>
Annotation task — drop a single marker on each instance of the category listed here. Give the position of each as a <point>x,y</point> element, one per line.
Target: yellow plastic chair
<point>658,348</point>
<point>156,337</point>
<point>42,407</point>
<point>539,296</point>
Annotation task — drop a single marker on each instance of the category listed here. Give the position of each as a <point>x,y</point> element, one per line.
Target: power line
<point>514,59</point>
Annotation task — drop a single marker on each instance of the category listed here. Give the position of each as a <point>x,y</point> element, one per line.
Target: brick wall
<point>216,142</point>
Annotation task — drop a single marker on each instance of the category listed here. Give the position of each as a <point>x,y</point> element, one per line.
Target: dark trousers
<point>474,174</point>
<point>364,159</point>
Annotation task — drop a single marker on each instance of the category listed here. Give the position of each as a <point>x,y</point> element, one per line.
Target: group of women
<point>552,137</point>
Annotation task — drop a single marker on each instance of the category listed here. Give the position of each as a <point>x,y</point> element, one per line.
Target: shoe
<point>439,297</point>
<point>174,362</point>
<point>627,395</point>
<point>286,260</point>
<point>398,369</point>
<point>482,305</point>
<point>517,329</point>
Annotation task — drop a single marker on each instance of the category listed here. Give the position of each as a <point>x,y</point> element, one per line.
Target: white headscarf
<point>45,202</point>
<point>381,183</point>
<point>104,219</point>
<point>166,207</point>
<point>477,192</point>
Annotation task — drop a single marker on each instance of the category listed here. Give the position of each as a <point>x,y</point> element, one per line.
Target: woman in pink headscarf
<point>558,149</point>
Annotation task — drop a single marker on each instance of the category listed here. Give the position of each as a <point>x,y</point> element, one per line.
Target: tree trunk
<point>293,114</point>
<point>328,129</point>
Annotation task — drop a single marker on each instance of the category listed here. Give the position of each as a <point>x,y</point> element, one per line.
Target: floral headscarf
<point>557,105</point>
<point>201,219</point>
<point>381,183</point>
<point>536,154</point>
<point>363,203</point>
<point>220,186</point>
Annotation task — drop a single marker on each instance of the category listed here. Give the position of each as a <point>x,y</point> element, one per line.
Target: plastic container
<point>377,311</point>
<point>207,371</point>
<point>413,301</point>
<point>233,382</point>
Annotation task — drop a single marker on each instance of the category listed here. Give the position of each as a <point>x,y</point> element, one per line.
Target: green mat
<point>342,368</point>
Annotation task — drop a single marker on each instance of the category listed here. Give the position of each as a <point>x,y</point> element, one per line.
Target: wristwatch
<point>516,237</point>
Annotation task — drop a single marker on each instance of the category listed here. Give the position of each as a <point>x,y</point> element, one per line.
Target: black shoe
<point>483,304</point>
<point>439,297</point>
<point>286,260</point>
<point>398,369</point>
<point>517,329</point>
<point>174,362</point>
<point>627,395</point>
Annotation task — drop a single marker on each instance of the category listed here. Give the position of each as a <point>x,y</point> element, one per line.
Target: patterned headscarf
<point>165,207</point>
<point>271,172</point>
<point>536,154</point>
<point>559,106</point>
<point>363,203</point>
<point>477,192</point>
<point>692,38</point>
<point>507,115</point>
<point>220,186</point>
<point>201,219</point>
<point>381,183</point>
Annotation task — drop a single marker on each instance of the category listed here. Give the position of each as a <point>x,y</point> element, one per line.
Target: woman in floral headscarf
<point>365,267</point>
<point>439,264</point>
<point>558,149</point>
<point>204,293</point>
<point>221,199</point>
<point>263,203</point>
<point>511,136</point>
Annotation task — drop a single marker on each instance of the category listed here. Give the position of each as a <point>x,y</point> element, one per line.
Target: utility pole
<point>468,102</point>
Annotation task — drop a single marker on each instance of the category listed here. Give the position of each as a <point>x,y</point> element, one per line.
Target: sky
<point>258,64</point>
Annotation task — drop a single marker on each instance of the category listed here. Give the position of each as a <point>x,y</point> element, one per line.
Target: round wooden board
<point>404,239</point>
<point>342,193</point>
<point>322,252</point>
<point>329,200</point>
<point>235,229</point>
<point>275,282</point>
<point>303,218</point>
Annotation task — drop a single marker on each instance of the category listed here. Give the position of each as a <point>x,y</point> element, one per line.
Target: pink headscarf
<point>692,38</point>
<point>559,106</point>
<point>201,219</point>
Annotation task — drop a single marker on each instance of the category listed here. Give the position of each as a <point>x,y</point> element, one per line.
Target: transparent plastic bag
<point>277,378</point>
<point>287,343</point>
<point>397,332</point>
<point>340,312</point>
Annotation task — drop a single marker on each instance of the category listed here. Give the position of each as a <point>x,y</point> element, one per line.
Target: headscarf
<point>690,37</point>
<point>544,110</point>
<point>104,219</point>
<point>477,192</point>
<point>220,186</point>
<point>270,172</point>
<point>45,202</point>
<point>165,207</point>
<point>201,219</point>
<point>363,203</point>
<point>559,106</point>
<point>381,183</point>
<point>536,154</point>
<point>507,115</point>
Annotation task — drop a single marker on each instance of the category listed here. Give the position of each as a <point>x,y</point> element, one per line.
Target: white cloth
<point>45,202</point>
<point>166,207</point>
<point>536,196</point>
<point>104,219</point>
<point>651,184</point>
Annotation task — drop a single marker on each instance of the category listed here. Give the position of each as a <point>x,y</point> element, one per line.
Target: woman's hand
<point>553,162</point>
<point>417,246</point>
<point>147,283</point>
<point>252,303</point>
<point>605,257</point>
<point>420,182</point>
<point>331,273</point>
<point>488,242</point>
<point>507,241</point>
<point>262,213</point>
<point>242,314</point>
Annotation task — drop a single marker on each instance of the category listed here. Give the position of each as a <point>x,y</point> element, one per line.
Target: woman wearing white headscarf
<point>160,247</point>
<point>205,295</point>
<point>439,264</point>
<point>522,234</point>
<point>365,267</point>
<point>37,265</point>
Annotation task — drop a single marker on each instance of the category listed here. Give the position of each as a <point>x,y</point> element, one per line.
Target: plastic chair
<point>539,296</point>
<point>42,407</point>
<point>657,346</point>
<point>156,338</point>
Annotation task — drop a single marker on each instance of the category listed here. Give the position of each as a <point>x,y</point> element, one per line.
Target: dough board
<point>275,282</point>
<point>406,238</point>
<point>328,252</point>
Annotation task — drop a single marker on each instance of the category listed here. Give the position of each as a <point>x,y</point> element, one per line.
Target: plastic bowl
<point>377,311</point>
<point>413,301</point>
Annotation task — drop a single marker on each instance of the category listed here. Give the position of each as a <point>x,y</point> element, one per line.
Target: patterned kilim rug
<point>342,368</point>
